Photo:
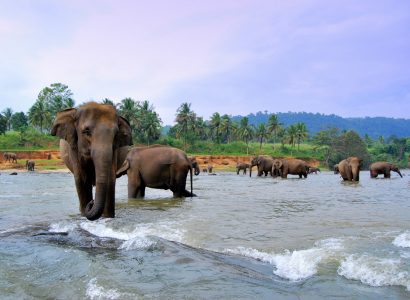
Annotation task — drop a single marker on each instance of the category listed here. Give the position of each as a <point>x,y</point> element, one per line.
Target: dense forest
<point>327,138</point>
<point>374,127</point>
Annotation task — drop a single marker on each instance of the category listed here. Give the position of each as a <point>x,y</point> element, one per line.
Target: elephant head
<point>195,165</point>
<point>354,164</point>
<point>94,133</point>
<point>395,169</point>
<point>254,162</point>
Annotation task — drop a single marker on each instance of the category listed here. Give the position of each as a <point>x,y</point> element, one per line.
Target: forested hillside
<point>374,127</point>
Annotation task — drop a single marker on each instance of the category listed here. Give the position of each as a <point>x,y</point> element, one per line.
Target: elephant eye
<point>87,131</point>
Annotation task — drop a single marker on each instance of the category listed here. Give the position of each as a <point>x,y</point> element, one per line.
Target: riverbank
<point>50,161</point>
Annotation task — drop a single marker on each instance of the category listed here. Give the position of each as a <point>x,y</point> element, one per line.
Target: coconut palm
<point>39,115</point>
<point>245,132</point>
<point>7,115</point>
<point>215,126</point>
<point>273,126</point>
<point>301,132</point>
<point>291,134</point>
<point>227,127</point>
<point>261,133</point>
<point>185,119</point>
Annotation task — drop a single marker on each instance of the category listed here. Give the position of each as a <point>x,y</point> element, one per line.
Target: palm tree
<point>7,115</point>
<point>291,133</point>
<point>108,101</point>
<point>227,127</point>
<point>273,126</point>
<point>39,114</point>
<point>152,126</point>
<point>261,133</point>
<point>128,110</point>
<point>215,126</point>
<point>245,132</point>
<point>301,132</point>
<point>185,118</point>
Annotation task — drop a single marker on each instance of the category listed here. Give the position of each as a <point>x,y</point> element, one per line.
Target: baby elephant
<point>158,167</point>
<point>382,167</point>
<point>30,165</point>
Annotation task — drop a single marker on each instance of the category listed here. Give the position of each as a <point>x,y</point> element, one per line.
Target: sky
<point>235,57</point>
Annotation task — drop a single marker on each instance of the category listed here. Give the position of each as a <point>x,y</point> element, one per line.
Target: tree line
<point>331,144</point>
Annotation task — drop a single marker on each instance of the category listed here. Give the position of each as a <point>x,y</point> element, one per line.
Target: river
<point>241,238</point>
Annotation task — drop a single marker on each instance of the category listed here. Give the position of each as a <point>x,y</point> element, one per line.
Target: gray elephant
<point>382,167</point>
<point>291,166</point>
<point>95,141</point>
<point>10,157</point>
<point>159,167</point>
<point>30,165</point>
<point>195,165</point>
<point>263,163</point>
<point>349,168</point>
<point>242,166</point>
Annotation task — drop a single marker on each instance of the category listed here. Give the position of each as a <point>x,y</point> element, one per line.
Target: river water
<point>241,238</point>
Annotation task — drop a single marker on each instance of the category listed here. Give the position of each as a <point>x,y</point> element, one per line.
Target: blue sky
<point>350,58</point>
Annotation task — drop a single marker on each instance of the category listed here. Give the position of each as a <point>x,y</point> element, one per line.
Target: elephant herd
<point>95,145</point>
<point>348,168</point>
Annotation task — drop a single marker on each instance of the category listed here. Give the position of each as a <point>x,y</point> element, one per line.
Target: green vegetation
<point>220,135</point>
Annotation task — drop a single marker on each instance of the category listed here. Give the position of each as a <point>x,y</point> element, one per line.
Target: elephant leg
<point>387,174</point>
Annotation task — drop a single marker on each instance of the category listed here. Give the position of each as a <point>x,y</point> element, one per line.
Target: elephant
<point>11,157</point>
<point>195,165</point>
<point>336,168</point>
<point>349,168</point>
<point>312,170</point>
<point>263,163</point>
<point>292,166</point>
<point>94,141</point>
<point>382,167</point>
<point>159,167</point>
<point>209,168</point>
<point>30,165</point>
<point>241,166</point>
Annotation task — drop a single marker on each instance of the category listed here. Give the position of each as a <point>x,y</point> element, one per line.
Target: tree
<point>128,110</point>
<point>19,121</point>
<point>49,102</point>
<point>261,133</point>
<point>350,144</point>
<point>291,132</point>
<point>8,114</point>
<point>185,120</point>
<point>325,140</point>
<point>108,102</point>
<point>227,127</point>
<point>215,125</point>
<point>39,115</point>
<point>273,126</point>
<point>149,122</point>
<point>301,132</point>
<point>3,124</point>
<point>245,132</point>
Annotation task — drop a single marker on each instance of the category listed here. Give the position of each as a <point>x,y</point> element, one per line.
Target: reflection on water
<point>241,238</point>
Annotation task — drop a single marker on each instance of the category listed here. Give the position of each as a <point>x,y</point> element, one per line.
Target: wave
<point>95,291</point>
<point>403,240</point>
<point>374,271</point>
<point>140,237</point>
<point>295,265</point>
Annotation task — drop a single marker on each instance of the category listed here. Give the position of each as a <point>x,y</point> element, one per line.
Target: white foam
<point>94,291</point>
<point>374,271</point>
<point>403,240</point>
<point>296,265</point>
<point>62,227</point>
<point>139,237</point>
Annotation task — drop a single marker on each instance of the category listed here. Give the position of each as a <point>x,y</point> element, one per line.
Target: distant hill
<point>374,127</point>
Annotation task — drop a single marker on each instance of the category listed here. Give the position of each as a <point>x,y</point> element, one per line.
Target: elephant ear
<point>64,125</point>
<point>124,137</point>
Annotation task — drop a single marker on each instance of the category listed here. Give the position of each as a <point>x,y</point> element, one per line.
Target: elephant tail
<point>123,169</point>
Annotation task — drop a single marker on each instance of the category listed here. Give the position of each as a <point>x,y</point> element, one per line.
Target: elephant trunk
<point>103,183</point>
<point>197,171</point>
<point>355,174</point>
<point>398,172</point>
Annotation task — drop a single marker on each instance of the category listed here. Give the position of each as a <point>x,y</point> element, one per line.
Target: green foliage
<point>50,100</point>
<point>19,121</point>
<point>3,124</point>
<point>29,139</point>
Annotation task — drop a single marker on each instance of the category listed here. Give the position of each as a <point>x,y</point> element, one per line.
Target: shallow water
<point>241,238</point>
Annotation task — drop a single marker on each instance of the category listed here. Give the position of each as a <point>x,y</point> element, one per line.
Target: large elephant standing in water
<point>287,166</point>
<point>349,168</point>
<point>382,167</point>
<point>95,142</point>
<point>263,163</point>
<point>159,167</point>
